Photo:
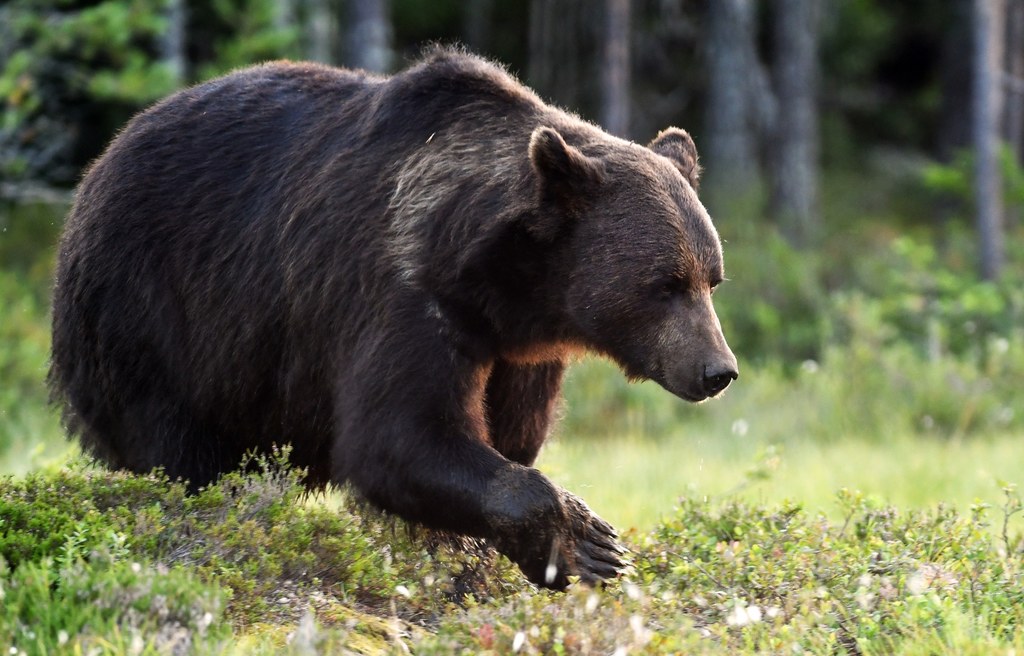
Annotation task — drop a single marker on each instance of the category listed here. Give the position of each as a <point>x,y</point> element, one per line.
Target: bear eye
<point>714,285</point>
<point>671,287</point>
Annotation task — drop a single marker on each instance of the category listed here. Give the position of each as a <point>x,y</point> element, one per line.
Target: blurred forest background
<point>863,162</point>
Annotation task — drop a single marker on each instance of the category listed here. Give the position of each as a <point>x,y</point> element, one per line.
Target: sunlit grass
<point>32,439</point>
<point>635,481</point>
<point>913,440</point>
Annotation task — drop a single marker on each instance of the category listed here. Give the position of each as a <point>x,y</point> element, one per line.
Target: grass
<point>106,563</point>
<point>636,481</point>
<point>633,450</point>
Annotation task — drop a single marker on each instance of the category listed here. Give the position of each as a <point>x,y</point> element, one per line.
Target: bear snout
<point>718,376</point>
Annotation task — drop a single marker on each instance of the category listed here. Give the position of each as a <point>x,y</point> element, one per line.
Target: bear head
<point>640,258</point>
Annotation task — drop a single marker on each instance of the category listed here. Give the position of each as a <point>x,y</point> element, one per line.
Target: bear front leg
<point>520,401</point>
<point>551,536</point>
<point>418,449</point>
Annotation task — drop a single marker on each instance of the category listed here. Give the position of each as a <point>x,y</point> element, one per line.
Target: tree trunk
<point>988,26</point>
<point>730,150</point>
<point>615,72</point>
<point>956,69</point>
<point>1013,113</point>
<point>477,24</point>
<point>172,41</point>
<point>369,35</point>
<point>555,35</point>
<point>321,33</point>
<point>794,153</point>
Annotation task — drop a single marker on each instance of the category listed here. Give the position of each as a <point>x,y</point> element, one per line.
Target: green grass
<point>634,482</point>
<point>106,563</point>
<point>633,450</point>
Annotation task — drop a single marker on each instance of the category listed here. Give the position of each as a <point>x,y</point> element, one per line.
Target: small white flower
<point>62,637</point>
<point>742,615</point>
<point>404,591</point>
<point>640,632</point>
<point>917,583</point>
<point>136,568</point>
<point>550,572</point>
<point>592,601</point>
<point>865,599</point>
<point>809,366</point>
<point>740,427</point>
<point>518,641</point>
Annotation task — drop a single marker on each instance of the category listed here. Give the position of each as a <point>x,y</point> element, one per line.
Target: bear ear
<point>677,145</point>
<point>566,176</point>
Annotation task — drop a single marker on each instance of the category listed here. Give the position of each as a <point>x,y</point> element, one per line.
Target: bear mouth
<point>687,396</point>
<point>692,393</point>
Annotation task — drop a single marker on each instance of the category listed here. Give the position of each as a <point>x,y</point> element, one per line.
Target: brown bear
<point>390,274</point>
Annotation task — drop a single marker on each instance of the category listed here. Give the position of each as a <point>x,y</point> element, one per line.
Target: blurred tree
<point>227,34</point>
<point>730,149</point>
<point>173,40</point>
<point>989,22</point>
<point>1013,105</point>
<point>666,68</point>
<point>793,153</point>
<point>70,73</point>
<point>321,31</point>
<point>615,74</point>
<point>954,130</point>
<point>1013,112</point>
<point>477,23</point>
<point>369,35</point>
<point>561,44</point>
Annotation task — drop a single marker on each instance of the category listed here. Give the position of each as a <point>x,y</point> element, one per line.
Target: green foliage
<point>771,303</point>
<point>28,427</point>
<point>954,181</point>
<point>57,59</point>
<point>733,578</point>
<point>71,73</point>
<point>236,33</point>
<point>107,606</point>
<point>24,349</point>
<point>111,563</point>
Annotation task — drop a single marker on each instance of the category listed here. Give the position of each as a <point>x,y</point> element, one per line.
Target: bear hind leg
<point>155,433</point>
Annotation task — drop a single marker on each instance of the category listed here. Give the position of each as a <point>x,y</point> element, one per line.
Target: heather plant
<point>101,562</point>
<point>734,578</point>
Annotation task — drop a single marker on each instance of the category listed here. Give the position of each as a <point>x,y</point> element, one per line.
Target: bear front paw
<point>549,533</point>
<point>595,553</point>
<point>581,545</point>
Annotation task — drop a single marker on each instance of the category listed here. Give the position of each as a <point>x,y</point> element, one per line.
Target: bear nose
<point>717,378</point>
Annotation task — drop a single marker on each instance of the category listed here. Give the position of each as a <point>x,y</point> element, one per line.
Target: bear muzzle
<point>718,376</point>
<point>708,377</point>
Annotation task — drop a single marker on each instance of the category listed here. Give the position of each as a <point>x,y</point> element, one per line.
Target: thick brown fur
<point>389,274</point>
